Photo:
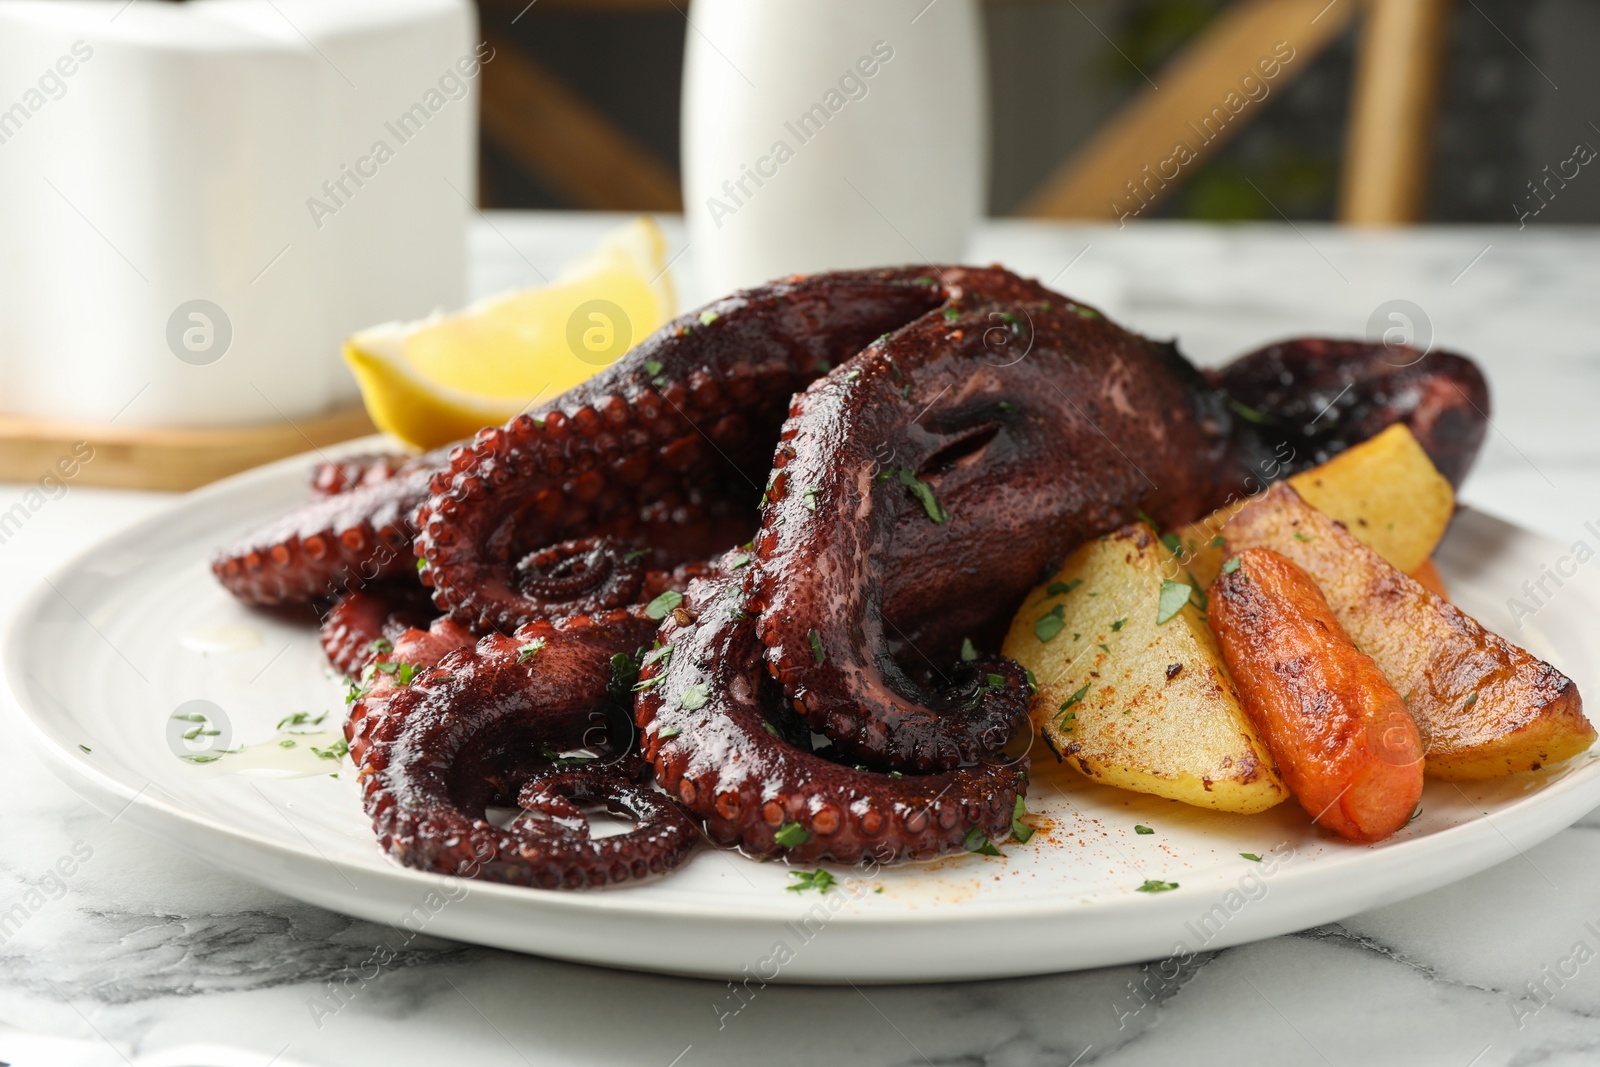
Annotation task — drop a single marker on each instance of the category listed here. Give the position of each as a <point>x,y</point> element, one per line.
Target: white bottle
<point>827,134</point>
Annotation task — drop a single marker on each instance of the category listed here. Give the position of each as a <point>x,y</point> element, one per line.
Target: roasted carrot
<point>1427,575</point>
<point>1344,742</point>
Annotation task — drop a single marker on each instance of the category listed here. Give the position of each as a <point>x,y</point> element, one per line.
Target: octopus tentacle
<point>334,476</point>
<point>435,750</point>
<point>1319,397</point>
<point>665,450</point>
<point>571,858</point>
<point>357,628</point>
<point>706,715</point>
<point>337,542</point>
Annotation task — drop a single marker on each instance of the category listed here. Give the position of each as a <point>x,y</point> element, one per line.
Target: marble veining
<point>150,949</point>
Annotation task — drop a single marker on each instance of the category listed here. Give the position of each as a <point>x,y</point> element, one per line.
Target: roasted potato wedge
<point>1385,490</point>
<point>1485,707</point>
<point>1132,689</point>
<point>1343,740</point>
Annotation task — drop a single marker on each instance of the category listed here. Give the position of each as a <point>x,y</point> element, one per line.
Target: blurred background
<point>271,203</point>
<point>1517,89</point>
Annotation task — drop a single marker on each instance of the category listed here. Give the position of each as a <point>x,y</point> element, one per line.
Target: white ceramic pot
<point>822,134</point>
<point>194,207</point>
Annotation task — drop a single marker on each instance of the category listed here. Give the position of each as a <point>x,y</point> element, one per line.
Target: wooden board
<point>168,458</point>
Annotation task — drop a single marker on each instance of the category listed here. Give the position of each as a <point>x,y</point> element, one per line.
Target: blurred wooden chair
<point>571,147</point>
<point>1388,140</point>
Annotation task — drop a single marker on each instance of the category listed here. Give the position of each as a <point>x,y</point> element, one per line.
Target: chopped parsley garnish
<point>1008,407</point>
<point>287,742</point>
<point>1248,414</point>
<point>624,673</point>
<point>652,367</point>
<point>1085,312</point>
<point>1117,626</point>
<point>741,560</point>
<point>657,609</point>
<point>194,757</point>
<point>564,761</point>
<point>1174,545</point>
<point>819,879</point>
<point>694,697</point>
<point>896,774</point>
<point>951,314</point>
<point>421,563</point>
<point>996,681</point>
<point>668,733</point>
<point>1071,702</point>
<point>1155,885</point>
<point>1062,588</point>
<point>637,553</point>
<point>1251,856</point>
<point>85,748</point>
<point>1298,536</point>
<point>708,317</point>
<point>1174,595</point>
<point>978,841</point>
<point>1033,680</point>
<point>1471,700</point>
<point>816,645</point>
<point>1050,623</point>
<point>771,729</point>
<point>791,835</point>
<point>530,650</point>
<point>1231,566</point>
<point>1104,647</point>
<point>1218,541</point>
<point>300,718</point>
<point>1142,830</point>
<point>808,496</point>
<point>851,375</point>
<point>403,672</point>
<point>336,751</point>
<point>923,492</point>
<point>1020,830</point>
<point>968,652</point>
<point>380,646</point>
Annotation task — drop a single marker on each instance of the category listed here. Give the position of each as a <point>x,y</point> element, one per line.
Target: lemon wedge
<point>445,377</point>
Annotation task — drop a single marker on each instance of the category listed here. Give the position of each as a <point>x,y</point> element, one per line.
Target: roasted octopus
<point>739,583</point>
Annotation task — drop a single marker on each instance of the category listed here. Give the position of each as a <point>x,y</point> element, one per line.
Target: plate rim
<point>1381,865</point>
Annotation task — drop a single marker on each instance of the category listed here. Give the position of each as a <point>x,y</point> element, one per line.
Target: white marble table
<point>149,949</point>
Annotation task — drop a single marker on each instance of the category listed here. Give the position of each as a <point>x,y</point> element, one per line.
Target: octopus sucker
<point>898,455</point>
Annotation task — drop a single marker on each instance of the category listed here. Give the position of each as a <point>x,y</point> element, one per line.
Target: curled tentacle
<point>366,622</point>
<point>572,858</point>
<point>666,450</point>
<point>1319,397</point>
<point>707,714</point>
<point>435,751</point>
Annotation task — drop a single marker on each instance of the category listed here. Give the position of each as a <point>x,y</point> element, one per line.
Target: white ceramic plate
<point>102,656</point>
